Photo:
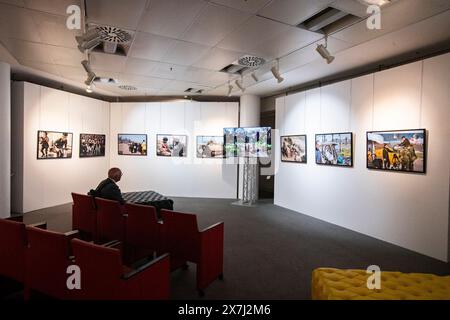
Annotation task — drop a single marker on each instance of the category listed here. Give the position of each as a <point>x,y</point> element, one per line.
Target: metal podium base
<point>245,203</point>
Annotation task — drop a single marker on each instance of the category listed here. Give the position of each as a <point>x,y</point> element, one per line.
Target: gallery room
<point>224,150</point>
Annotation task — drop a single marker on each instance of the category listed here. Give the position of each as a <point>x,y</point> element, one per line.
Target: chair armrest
<point>144,267</point>
<point>16,217</point>
<point>72,234</point>
<point>214,226</point>
<point>40,225</point>
<point>210,266</point>
<point>113,244</point>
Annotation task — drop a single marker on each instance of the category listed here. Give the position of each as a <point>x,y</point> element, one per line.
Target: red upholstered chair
<point>185,242</point>
<point>104,277</point>
<point>84,216</point>
<point>110,220</point>
<point>47,259</point>
<point>142,230</point>
<point>13,245</point>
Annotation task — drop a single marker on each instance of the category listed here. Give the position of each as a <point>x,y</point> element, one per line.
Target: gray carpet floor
<point>270,251</point>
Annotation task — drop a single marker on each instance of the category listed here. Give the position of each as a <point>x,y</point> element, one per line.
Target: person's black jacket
<point>108,189</point>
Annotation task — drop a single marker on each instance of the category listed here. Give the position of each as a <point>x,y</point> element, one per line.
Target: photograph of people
<point>132,144</point>
<point>53,145</point>
<point>92,145</point>
<point>171,145</point>
<point>396,150</point>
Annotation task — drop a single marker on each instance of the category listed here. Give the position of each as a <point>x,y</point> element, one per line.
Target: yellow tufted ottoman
<point>338,284</point>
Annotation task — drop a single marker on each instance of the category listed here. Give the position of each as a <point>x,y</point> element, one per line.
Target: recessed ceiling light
<point>375,2</point>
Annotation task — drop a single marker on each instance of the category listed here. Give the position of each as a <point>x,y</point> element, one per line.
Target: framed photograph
<point>132,144</point>
<point>293,149</point>
<point>168,145</point>
<point>334,149</point>
<point>210,147</point>
<point>251,142</point>
<point>399,150</point>
<point>92,145</point>
<point>54,145</point>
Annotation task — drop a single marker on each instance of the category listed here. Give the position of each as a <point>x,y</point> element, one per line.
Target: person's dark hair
<point>115,174</point>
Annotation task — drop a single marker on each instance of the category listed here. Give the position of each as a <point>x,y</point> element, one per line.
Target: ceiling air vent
<point>328,20</point>
<point>251,61</point>
<point>243,64</point>
<point>113,39</point>
<point>127,87</point>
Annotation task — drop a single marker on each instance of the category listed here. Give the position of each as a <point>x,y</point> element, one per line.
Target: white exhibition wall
<point>409,210</point>
<point>44,183</point>
<point>185,177</point>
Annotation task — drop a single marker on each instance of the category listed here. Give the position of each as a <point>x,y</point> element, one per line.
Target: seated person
<point>108,188</point>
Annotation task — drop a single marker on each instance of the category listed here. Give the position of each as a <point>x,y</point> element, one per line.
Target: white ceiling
<point>180,44</point>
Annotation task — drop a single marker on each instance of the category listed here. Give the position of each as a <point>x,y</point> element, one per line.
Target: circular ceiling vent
<point>114,34</point>
<point>127,87</point>
<point>251,61</point>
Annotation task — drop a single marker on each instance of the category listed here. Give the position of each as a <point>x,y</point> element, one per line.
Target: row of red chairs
<point>137,226</point>
<point>39,259</point>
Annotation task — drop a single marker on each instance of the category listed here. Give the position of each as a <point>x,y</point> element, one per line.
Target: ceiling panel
<point>66,56</point>
<point>29,51</point>
<point>144,82</point>
<point>52,29</point>
<point>286,42</point>
<point>213,24</point>
<point>151,47</point>
<point>17,23</point>
<point>217,59</point>
<point>19,3</point>
<point>251,6</point>
<point>353,7</point>
<point>73,73</point>
<point>45,67</point>
<point>58,7</point>
<point>140,66</point>
<point>107,62</point>
<point>398,15</point>
<point>185,53</point>
<point>170,17</point>
<point>309,54</point>
<point>180,86</point>
<point>252,34</point>
<point>168,70</point>
<point>293,11</point>
<point>119,13</point>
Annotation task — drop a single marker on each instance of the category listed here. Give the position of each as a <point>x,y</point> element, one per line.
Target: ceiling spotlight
<point>254,77</point>
<point>87,66</point>
<point>89,40</point>
<point>90,79</point>
<point>323,51</point>
<point>230,88</point>
<point>276,72</point>
<point>239,85</point>
<point>88,89</point>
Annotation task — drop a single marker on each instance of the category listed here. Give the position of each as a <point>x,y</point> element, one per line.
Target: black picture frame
<point>222,149</point>
<point>136,154</point>
<point>306,148</point>
<point>185,152</point>
<point>38,149</point>
<point>103,151</point>
<point>331,164</point>
<point>380,165</point>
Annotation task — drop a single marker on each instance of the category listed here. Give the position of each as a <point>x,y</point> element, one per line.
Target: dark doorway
<point>266,177</point>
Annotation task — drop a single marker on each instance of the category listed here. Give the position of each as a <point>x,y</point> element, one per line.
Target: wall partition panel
<point>410,210</point>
